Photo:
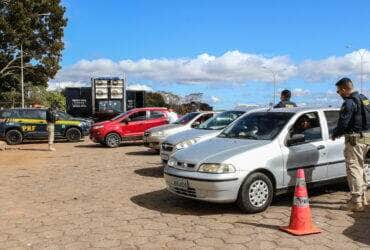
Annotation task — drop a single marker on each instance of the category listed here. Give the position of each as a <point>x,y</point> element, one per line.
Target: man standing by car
<point>285,100</point>
<point>353,122</point>
<point>51,117</point>
<point>172,116</point>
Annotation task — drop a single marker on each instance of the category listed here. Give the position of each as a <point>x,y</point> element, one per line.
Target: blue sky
<point>304,41</point>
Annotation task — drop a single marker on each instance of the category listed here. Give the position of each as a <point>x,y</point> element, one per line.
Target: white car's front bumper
<point>220,188</point>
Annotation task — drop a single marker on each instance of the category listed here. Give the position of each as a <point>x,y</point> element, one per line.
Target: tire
<point>14,137</point>
<point>73,135</point>
<point>113,140</point>
<point>256,193</point>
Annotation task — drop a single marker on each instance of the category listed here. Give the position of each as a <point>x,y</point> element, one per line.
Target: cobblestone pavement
<point>88,197</point>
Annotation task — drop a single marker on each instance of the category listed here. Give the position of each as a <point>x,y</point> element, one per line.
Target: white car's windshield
<point>186,118</point>
<point>258,126</point>
<point>220,121</point>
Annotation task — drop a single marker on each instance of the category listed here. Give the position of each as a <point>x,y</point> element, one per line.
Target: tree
<point>154,100</point>
<point>38,27</point>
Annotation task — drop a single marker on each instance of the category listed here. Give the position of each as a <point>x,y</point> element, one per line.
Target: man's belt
<point>355,138</point>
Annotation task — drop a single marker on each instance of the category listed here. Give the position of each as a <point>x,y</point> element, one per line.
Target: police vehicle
<point>19,124</point>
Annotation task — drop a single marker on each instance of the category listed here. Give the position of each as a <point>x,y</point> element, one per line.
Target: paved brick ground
<point>89,197</point>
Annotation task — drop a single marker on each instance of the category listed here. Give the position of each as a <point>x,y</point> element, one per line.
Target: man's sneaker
<point>52,149</point>
<point>354,207</point>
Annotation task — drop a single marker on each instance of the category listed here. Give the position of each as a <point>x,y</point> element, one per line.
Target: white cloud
<point>64,84</point>
<point>334,67</point>
<point>140,87</point>
<point>215,99</point>
<point>300,92</point>
<point>233,66</point>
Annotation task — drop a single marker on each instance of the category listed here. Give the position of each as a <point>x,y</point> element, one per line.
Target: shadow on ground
<point>165,202</point>
<point>360,230</point>
<point>156,172</point>
<point>143,152</point>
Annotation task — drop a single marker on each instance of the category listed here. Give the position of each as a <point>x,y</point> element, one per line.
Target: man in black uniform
<point>285,100</point>
<point>353,122</point>
<point>51,118</point>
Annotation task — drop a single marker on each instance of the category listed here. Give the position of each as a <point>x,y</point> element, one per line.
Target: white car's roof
<point>296,109</point>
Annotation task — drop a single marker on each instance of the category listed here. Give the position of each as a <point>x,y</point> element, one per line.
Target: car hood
<point>102,123</point>
<point>190,134</point>
<point>217,150</point>
<point>164,128</point>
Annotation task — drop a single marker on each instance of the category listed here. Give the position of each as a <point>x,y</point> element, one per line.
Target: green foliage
<point>43,97</point>
<point>37,26</point>
<point>154,100</point>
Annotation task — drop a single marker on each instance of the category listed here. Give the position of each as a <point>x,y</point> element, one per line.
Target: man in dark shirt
<point>51,117</point>
<point>352,124</point>
<point>285,100</point>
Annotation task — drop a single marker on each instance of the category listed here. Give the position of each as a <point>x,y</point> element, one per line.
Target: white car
<point>256,157</point>
<point>155,136</point>
<point>209,129</point>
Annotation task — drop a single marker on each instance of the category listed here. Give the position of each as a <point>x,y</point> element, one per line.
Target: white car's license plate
<point>180,183</point>
<point>164,157</point>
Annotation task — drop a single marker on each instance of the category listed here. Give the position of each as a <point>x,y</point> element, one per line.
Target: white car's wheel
<point>256,193</point>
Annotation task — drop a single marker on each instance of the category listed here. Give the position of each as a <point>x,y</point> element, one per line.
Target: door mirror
<point>195,124</point>
<point>296,139</point>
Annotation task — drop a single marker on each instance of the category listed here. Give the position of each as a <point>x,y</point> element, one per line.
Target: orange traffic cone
<point>300,218</point>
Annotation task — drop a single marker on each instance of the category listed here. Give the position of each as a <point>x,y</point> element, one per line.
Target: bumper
<point>96,137</point>
<point>152,142</point>
<point>200,186</point>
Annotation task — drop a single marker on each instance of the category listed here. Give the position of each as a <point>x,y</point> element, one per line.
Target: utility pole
<point>22,78</point>
<point>362,54</point>
<point>274,77</point>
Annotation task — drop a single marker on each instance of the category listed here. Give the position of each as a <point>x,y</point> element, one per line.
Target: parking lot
<point>87,196</point>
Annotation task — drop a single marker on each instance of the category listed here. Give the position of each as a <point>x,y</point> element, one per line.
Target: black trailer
<point>80,102</point>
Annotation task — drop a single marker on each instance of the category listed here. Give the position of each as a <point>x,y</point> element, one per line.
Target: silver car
<point>209,129</point>
<point>154,137</point>
<point>256,157</point>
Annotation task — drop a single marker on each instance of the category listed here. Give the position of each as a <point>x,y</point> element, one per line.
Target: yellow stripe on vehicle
<point>40,121</point>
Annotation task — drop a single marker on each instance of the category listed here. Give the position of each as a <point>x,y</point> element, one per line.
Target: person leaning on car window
<point>285,100</point>
<point>353,119</point>
<point>51,118</point>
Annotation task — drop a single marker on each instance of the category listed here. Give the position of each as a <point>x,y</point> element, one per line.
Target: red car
<point>128,126</point>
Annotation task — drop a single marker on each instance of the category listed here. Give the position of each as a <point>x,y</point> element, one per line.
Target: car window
<point>332,118</point>
<point>221,120</point>
<point>156,114</point>
<point>64,116</point>
<point>138,116</point>
<point>5,114</point>
<point>308,125</point>
<point>204,118</point>
<point>186,118</point>
<point>257,126</point>
<point>32,114</point>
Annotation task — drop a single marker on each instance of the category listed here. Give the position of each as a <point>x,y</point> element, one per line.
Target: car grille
<point>188,192</point>
<point>167,147</point>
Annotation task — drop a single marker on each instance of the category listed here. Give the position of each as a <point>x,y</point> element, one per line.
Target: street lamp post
<point>274,77</point>
<point>362,54</point>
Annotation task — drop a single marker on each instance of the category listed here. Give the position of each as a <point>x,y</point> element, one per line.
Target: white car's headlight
<point>98,127</point>
<point>216,168</point>
<point>171,162</point>
<point>186,144</point>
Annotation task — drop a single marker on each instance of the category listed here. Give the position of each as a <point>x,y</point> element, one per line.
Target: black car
<point>23,123</point>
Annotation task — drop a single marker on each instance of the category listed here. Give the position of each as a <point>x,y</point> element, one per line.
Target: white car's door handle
<point>320,147</point>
